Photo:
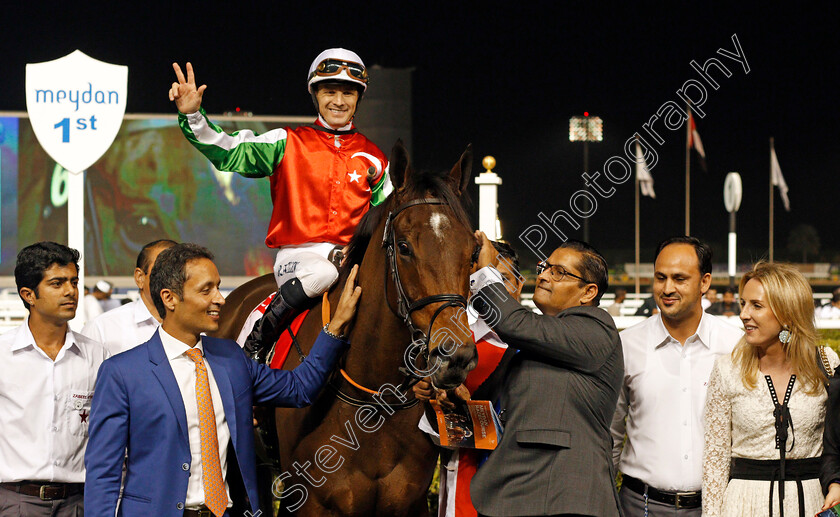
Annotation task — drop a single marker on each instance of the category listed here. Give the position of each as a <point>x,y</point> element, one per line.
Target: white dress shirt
<point>481,330</point>
<point>92,307</point>
<point>123,328</point>
<point>484,277</point>
<point>663,398</point>
<point>184,369</point>
<point>44,406</point>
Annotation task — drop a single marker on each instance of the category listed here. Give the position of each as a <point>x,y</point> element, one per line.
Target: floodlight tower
<point>586,129</point>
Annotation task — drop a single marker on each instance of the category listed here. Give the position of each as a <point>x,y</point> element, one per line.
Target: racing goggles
<point>333,67</point>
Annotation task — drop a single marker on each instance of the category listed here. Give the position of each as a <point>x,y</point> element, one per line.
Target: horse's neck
<point>379,338</point>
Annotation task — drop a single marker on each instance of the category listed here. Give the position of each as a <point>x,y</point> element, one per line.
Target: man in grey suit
<point>558,390</point>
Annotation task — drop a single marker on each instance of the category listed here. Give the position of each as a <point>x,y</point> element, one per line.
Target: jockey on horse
<point>318,188</point>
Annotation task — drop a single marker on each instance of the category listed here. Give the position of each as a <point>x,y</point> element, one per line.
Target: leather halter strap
<point>405,307</point>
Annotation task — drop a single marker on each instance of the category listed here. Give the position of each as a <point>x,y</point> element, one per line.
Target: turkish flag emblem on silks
<point>76,106</point>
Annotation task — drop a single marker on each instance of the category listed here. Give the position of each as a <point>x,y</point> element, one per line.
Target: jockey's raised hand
<point>184,92</point>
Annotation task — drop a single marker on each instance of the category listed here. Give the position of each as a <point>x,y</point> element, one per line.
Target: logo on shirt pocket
<point>78,411</point>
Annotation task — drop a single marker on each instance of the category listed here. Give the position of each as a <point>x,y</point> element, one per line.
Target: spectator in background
<point>93,302</point>
<point>615,308</point>
<point>831,310</point>
<point>727,307</point>
<point>46,386</point>
<point>709,299</point>
<point>648,307</point>
<point>129,325</point>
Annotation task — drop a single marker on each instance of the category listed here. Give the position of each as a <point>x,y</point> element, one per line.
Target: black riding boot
<point>289,301</point>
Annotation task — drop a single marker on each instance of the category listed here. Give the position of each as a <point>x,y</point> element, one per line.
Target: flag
<point>695,142</point>
<point>778,179</point>
<point>643,174</point>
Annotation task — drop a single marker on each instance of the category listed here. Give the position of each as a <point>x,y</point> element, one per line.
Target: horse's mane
<point>421,184</point>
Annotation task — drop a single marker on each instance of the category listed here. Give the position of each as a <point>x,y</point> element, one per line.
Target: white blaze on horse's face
<point>439,223</point>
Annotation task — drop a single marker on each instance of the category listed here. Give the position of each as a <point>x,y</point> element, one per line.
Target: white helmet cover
<point>343,74</point>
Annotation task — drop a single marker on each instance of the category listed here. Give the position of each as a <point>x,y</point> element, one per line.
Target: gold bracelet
<point>327,332</point>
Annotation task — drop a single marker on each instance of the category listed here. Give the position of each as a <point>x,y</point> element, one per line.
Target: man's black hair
<point>502,248</point>
<point>170,271</point>
<point>704,252</point>
<point>143,261</point>
<point>593,266</point>
<point>508,253</point>
<point>34,259</point>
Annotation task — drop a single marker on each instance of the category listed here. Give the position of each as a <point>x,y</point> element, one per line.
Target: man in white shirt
<point>93,301</point>
<point>668,359</point>
<point>46,386</point>
<point>709,298</point>
<point>831,310</point>
<point>133,323</point>
<point>615,308</point>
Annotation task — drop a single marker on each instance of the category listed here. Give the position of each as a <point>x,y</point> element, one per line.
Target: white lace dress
<point>739,423</point>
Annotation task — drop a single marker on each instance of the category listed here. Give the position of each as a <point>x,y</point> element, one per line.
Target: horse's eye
<point>404,248</point>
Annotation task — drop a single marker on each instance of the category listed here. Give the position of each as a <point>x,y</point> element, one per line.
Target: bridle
<point>419,345</point>
<point>405,307</point>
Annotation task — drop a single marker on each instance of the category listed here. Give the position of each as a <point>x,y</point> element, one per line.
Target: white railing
<point>12,311</point>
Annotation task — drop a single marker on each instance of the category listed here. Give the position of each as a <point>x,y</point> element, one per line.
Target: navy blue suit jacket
<point>138,406</point>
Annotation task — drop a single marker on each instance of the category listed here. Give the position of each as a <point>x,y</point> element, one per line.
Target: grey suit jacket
<point>558,393</point>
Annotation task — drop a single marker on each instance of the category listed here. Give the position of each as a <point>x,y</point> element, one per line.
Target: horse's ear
<point>459,176</point>
<point>399,167</point>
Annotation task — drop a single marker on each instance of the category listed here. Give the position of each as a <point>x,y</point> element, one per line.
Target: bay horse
<point>353,453</point>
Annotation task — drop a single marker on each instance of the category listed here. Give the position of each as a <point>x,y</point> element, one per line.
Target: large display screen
<point>151,184</point>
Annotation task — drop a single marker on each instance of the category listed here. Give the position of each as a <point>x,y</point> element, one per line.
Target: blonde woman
<point>765,406</point>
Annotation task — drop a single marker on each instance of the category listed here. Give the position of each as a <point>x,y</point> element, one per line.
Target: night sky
<point>506,77</point>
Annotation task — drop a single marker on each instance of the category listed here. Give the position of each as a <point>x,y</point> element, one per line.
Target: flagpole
<point>637,232</point>
<point>688,172</point>
<point>771,200</point>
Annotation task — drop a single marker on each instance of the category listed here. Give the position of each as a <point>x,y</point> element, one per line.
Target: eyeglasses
<point>332,67</point>
<point>558,272</point>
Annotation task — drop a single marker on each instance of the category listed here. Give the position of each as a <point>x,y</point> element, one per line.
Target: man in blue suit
<point>159,401</point>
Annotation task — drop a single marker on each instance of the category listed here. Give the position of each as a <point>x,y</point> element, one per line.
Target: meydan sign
<point>76,106</point>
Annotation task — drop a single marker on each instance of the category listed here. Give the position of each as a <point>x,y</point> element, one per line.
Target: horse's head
<point>429,243</point>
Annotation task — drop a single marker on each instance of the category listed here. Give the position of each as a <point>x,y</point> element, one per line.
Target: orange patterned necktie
<point>215,495</point>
